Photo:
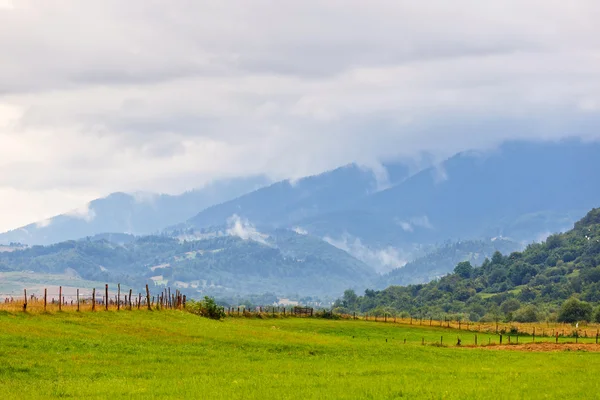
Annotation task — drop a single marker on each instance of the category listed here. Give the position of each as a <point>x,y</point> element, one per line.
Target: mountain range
<point>503,198</point>
<point>136,213</point>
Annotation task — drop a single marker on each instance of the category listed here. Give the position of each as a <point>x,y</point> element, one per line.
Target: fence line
<point>166,300</point>
<point>107,300</point>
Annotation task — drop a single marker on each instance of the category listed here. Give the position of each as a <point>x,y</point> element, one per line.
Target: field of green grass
<point>174,354</point>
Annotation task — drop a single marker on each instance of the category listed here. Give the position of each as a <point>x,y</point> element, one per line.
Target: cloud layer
<point>99,96</point>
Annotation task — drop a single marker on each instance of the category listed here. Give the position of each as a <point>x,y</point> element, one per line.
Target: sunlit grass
<point>141,354</point>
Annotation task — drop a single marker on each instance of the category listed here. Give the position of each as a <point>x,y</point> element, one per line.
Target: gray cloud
<point>98,96</point>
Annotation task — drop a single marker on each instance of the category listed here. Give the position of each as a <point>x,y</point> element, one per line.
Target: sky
<point>165,96</point>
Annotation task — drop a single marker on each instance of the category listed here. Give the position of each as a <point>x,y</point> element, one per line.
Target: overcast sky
<point>107,95</point>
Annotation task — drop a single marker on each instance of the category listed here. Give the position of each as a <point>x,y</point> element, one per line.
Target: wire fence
<point>91,299</point>
<point>111,298</point>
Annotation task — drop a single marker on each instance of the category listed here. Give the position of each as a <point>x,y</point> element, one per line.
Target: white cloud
<point>243,229</point>
<point>97,97</point>
<point>145,197</point>
<point>44,223</point>
<point>381,259</point>
<point>85,213</point>
<point>406,226</point>
<point>300,231</point>
<point>420,222</point>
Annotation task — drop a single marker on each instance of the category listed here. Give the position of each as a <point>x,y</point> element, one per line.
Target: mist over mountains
<point>132,213</point>
<point>347,225</point>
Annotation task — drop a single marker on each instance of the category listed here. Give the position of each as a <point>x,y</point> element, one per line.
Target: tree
<point>597,315</point>
<point>574,310</point>
<point>526,314</point>
<point>350,299</point>
<point>497,258</point>
<point>554,241</point>
<point>464,269</point>
<point>510,305</point>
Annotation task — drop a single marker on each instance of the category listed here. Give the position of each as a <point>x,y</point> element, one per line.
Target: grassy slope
<point>174,354</point>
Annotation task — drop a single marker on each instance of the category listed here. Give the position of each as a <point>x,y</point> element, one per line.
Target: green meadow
<point>174,354</point>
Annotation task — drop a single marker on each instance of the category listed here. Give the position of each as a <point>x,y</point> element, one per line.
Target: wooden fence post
<point>139,302</point>
<point>25,302</point>
<point>77,300</point>
<point>148,298</point>
<point>106,297</point>
<point>45,298</point>
<point>130,290</point>
<point>60,298</point>
<point>118,296</point>
<point>93,299</point>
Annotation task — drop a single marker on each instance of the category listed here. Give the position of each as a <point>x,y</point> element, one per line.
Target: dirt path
<point>547,347</point>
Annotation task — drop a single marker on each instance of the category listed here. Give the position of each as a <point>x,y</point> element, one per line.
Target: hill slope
<point>543,275</point>
<point>225,262</point>
<point>285,202</point>
<point>442,261</point>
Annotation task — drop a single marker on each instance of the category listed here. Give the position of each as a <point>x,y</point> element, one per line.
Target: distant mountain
<point>442,261</point>
<point>284,203</point>
<point>139,214</point>
<point>521,191</point>
<point>236,260</point>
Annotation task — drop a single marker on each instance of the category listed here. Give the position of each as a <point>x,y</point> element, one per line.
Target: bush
<point>526,314</point>
<point>597,315</point>
<point>207,308</point>
<point>327,314</point>
<point>574,310</point>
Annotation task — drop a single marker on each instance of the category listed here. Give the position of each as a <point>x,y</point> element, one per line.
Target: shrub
<point>574,310</point>
<point>206,308</point>
<point>526,314</point>
<point>597,315</point>
<point>326,314</point>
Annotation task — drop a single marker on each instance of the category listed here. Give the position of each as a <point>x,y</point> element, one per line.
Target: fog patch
<point>43,223</point>
<point>85,213</point>
<point>415,222</point>
<point>381,259</point>
<point>243,229</point>
<point>144,197</point>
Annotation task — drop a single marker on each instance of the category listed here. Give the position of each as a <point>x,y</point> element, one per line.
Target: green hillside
<point>443,259</point>
<point>528,285</point>
<point>281,262</point>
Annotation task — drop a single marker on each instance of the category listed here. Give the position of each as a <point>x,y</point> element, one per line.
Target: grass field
<point>173,354</point>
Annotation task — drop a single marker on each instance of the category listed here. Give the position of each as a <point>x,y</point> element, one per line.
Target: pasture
<point>174,354</point>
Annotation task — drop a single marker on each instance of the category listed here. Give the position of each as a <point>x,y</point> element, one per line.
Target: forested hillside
<point>282,262</point>
<point>528,285</point>
<point>443,259</point>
